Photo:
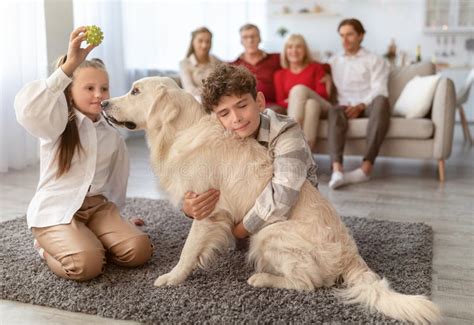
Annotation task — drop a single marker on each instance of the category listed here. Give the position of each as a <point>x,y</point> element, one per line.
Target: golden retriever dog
<point>191,151</point>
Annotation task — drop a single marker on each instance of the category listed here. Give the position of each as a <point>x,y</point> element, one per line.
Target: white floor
<point>401,190</point>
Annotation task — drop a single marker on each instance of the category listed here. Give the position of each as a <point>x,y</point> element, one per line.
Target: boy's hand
<point>239,231</point>
<point>76,54</point>
<point>200,206</point>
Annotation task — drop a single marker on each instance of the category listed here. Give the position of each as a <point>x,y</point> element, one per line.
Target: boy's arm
<point>292,161</point>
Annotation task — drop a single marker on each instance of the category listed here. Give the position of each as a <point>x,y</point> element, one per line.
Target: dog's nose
<point>104,104</point>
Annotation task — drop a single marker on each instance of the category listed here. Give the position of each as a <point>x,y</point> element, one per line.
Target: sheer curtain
<point>22,59</point>
<point>143,36</point>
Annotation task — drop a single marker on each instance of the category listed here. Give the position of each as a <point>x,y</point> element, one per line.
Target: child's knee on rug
<point>82,266</point>
<point>133,251</point>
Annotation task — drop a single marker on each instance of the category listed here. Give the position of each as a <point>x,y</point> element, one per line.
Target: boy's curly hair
<point>227,80</point>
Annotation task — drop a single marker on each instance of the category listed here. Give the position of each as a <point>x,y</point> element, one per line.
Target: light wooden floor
<point>401,190</point>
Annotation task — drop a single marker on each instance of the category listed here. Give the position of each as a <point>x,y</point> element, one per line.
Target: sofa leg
<point>441,170</point>
<point>465,126</point>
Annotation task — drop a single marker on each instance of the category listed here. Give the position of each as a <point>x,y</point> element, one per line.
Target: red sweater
<point>264,72</point>
<point>311,75</point>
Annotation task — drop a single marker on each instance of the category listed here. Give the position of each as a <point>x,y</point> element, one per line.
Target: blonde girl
<point>74,214</point>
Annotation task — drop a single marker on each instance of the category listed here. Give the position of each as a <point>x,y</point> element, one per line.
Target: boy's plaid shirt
<point>293,163</point>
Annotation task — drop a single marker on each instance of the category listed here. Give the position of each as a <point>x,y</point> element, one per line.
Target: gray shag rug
<point>402,252</point>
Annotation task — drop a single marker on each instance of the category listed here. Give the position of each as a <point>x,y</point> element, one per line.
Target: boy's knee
<point>84,265</point>
<point>133,251</point>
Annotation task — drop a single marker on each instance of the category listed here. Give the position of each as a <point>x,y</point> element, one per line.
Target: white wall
<point>401,20</point>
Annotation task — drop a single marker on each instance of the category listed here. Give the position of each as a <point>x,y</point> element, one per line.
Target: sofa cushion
<point>400,128</point>
<point>417,97</point>
<point>399,77</point>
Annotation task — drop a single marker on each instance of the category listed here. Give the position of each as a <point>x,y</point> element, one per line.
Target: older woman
<point>301,86</point>
<point>198,62</point>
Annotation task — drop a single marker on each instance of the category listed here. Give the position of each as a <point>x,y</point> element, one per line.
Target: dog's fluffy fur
<point>190,151</point>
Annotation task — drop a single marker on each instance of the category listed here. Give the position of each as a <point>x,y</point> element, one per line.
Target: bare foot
<point>137,221</point>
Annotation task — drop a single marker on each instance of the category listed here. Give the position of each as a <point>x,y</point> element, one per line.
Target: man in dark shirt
<point>263,65</point>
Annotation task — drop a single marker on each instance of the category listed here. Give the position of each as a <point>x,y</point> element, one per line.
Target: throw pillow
<point>416,97</point>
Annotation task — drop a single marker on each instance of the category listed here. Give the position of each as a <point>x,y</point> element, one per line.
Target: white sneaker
<point>39,249</point>
<point>337,180</point>
<point>356,176</point>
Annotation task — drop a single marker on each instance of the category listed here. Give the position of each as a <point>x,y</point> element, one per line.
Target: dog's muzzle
<point>106,107</point>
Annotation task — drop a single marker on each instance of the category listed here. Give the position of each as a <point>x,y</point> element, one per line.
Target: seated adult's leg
<point>72,251</point>
<point>296,101</point>
<point>128,245</point>
<point>316,108</point>
<point>311,121</point>
<point>378,112</point>
<point>338,124</point>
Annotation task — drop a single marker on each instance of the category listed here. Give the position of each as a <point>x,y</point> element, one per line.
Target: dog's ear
<point>171,105</point>
<point>166,106</point>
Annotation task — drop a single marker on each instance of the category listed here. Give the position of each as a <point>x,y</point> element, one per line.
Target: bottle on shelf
<point>418,53</point>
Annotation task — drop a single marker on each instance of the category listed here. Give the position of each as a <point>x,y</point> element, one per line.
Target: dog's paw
<point>260,280</point>
<point>168,279</point>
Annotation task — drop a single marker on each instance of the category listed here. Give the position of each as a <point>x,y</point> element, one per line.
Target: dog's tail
<point>365,287</point>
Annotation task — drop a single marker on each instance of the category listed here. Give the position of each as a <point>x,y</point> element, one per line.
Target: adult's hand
<point>354,111</point>
<point>327,81</point>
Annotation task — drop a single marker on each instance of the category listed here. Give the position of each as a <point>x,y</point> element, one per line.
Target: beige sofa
<point>424,138</point>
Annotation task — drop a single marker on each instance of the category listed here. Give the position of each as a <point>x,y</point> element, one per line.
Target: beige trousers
<point>307,108</point>
<point>77,250</point>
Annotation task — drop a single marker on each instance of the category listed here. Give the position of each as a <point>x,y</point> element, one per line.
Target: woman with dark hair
<point>198,63</point>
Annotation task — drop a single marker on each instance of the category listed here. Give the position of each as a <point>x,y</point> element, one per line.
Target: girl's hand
<point>200,206</point>
<point>239,231</point>
<point>76,54</point>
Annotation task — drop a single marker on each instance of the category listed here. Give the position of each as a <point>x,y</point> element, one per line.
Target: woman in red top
<point>302,86</point>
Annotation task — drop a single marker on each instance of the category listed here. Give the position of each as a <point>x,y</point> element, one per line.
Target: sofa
<point>430,137</point>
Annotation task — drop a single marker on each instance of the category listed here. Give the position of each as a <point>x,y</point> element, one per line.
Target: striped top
<point>293,163</point>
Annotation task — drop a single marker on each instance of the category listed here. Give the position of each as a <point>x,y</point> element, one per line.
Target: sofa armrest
<point>442,115</point>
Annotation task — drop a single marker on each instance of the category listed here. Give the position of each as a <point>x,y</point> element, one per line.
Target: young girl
<point>300,86</point>
<point>198,62</point>
<point>74,215</point>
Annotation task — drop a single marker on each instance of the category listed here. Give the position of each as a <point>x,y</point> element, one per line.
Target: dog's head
<point>147,100</point>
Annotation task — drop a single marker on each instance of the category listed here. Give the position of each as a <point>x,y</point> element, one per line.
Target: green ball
<point>94,35</point>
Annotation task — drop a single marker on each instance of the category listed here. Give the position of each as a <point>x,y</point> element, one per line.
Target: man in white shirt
<point>361,81</point>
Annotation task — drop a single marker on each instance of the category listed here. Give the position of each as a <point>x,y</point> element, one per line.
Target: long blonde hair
<point>195,33</point>
<point>70,141</point>
<point>292,39</point>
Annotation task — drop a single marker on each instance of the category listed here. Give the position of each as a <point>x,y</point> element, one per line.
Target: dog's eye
<point>135,91</point>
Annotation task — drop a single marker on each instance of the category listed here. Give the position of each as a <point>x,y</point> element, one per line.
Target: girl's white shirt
<point>102,167</point>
